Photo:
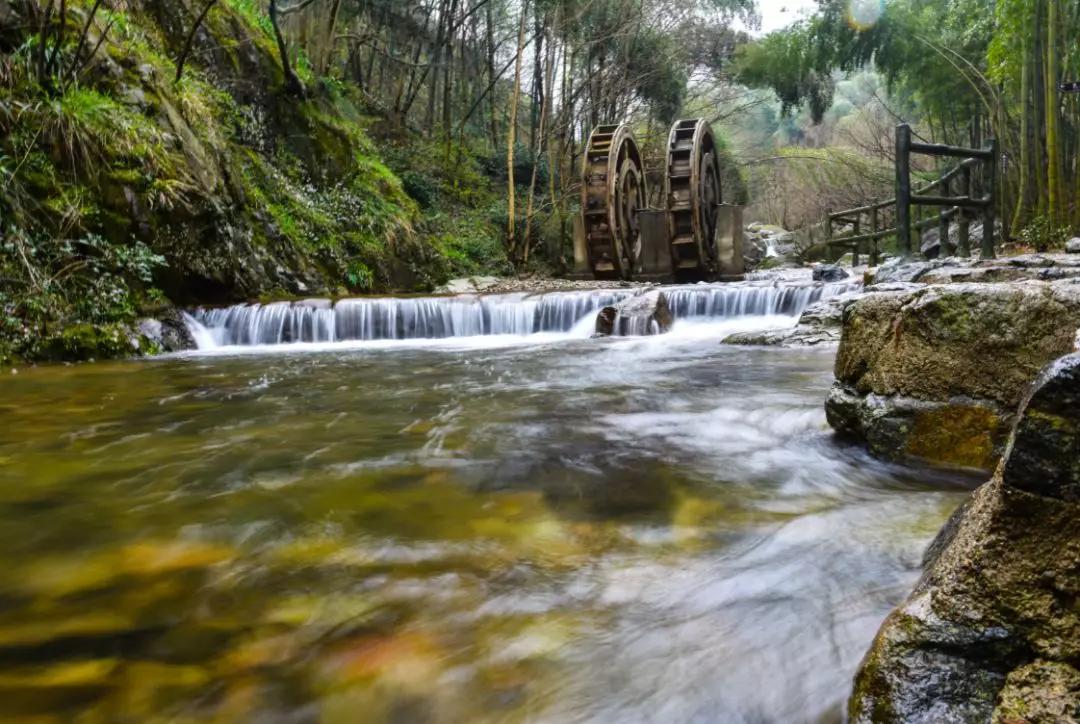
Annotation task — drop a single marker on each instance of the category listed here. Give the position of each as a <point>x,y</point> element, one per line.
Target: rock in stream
<point>992,630</point>
<point>640,315</point>
<point>936,372</point>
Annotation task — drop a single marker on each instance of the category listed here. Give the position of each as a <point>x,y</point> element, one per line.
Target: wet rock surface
<point>168,331</point>
<point>935,372</point>
<point>1044,267</point>
<point>1045,456</point>
<point>640,315</point>
<point>829,273</point>
<point>820,324</point>
<point>992,630</point>
<point>962,432</point>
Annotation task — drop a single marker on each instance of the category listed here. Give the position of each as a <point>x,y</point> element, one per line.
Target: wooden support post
<point>943,234</point>
<point>903,189</point>
<point>874,241</point>
<point>828,235</point>
<point>992,193</point>
<point>964,230</point>
<point>943,223</point>
<point>855,245</point>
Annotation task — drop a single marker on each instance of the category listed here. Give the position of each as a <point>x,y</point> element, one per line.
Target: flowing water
<point>477,528</point>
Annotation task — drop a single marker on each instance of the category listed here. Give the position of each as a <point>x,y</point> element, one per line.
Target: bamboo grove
<point>972,68</point>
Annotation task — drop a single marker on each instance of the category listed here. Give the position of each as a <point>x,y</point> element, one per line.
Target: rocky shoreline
<point>971,364</point>
<point>991,632</point>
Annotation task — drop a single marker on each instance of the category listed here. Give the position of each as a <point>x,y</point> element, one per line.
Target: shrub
<point>1042,234</point>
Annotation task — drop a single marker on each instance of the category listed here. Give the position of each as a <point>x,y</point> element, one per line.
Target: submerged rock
<point>829,273</point>
<point>992,630</point>
<point>961,432</point>
<point>640,315</point>
<point>936,372</point>
<point>820,324</point>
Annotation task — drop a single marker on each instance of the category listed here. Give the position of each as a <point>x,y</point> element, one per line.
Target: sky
<point>776,14</point>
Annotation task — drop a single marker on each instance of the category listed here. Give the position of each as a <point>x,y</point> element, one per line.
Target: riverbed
<point>539,527</point>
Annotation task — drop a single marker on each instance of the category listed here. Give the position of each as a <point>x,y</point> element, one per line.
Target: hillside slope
<point>126,191</point>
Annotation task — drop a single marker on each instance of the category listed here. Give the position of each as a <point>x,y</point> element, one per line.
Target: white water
<point>487,321</point>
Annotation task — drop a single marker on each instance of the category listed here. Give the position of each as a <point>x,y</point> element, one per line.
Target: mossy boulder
<point>82,342</point>
<point>1043,692</point>
<point>935,372</point>
<point>960,431</point>
<point>992,630</point>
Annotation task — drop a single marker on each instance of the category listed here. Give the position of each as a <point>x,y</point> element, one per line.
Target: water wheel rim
<point>628,199</point>
<point>708,200</point>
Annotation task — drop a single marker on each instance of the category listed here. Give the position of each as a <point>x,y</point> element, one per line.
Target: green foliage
<point>463,211</point>
<point>915,45</point>
<point>1042,234</point>
<point>254,14</point>
<point>49,282</point>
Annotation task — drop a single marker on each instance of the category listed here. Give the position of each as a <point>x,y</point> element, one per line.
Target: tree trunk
<point>293,85</point>
<point>191,39</point>
<point>1053,150</point>
<point>538,153</point>
<point>490,40</point>
<point>511,132</point>
<point>331,42</point>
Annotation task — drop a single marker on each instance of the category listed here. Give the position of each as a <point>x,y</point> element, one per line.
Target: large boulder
<point>992,630</point>
<point>935,373</point>
<point>168,331</point>
<point>641,315</point>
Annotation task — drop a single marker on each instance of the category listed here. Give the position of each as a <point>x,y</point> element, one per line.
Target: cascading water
<point>320,320</point>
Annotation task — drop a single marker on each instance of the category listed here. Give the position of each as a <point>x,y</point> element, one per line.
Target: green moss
<point>80,342</point>
<point>959,435</point>
<point>225,191</point>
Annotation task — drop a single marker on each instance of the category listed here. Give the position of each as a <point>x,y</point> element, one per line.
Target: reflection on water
<point>627,530</point>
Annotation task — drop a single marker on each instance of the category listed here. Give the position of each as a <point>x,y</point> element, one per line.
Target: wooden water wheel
<point>692,192</point>
<point>612,190</point>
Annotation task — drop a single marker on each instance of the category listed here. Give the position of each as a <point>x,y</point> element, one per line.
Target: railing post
<point>964,230</point>
<point>874,252</point>
<point>903,188</point>
<point>943,233</point>
<point>989,209</point>
<point>855,245</point>
<point>829,253</point>
<point>943,225</point>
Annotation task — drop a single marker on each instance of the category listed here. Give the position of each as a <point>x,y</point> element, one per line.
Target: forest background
<point>156,153</point>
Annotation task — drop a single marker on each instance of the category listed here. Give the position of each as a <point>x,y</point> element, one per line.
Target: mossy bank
<point>126,190</point>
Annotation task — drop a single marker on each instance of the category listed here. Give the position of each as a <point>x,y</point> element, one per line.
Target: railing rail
<point>964,205</point>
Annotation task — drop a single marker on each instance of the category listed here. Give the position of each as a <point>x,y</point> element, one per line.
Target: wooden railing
<point>894,216</point>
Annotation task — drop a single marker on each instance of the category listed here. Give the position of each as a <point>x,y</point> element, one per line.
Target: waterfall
<point>398,318</point>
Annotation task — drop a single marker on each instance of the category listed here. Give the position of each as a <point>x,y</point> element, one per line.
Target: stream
<point>413,512</point>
